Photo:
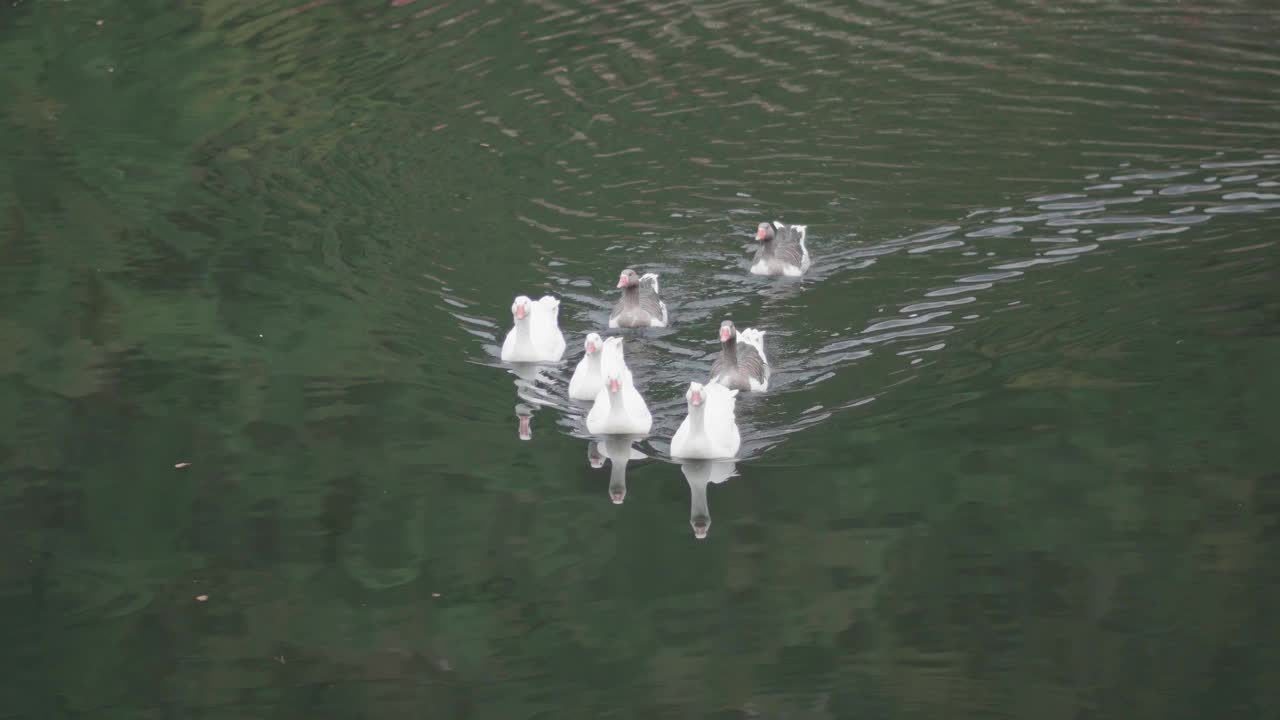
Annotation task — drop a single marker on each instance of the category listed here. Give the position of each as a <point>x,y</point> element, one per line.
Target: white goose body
<point>536,336</point>
<point>619,408</point>
<point>710,430</point>
<point>588,378</point>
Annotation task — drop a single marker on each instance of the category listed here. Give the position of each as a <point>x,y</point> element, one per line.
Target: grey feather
<point>640,305</point>
<point>785,249</point>
<point>738,364</point>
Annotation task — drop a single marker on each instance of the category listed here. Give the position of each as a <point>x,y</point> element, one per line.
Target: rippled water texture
<point>260,457</point>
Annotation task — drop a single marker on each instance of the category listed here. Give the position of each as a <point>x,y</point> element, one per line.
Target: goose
<point>618,408</point>
<point>588,378</point>
<point>781,251</point>
<point>742,364</point>
<point>640,305</point>
<point>710,430</point>
<point>536,336</point>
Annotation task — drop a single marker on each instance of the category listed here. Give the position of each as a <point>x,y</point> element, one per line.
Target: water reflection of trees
<point>141,324</point>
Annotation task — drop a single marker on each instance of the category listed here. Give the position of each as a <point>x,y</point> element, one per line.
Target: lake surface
<point>260,459</point>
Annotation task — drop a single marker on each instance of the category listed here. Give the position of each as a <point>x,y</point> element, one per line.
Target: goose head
<point>613,380</point>
<point>696,395</point>
<point>521,308</point>
<point>764,232</point>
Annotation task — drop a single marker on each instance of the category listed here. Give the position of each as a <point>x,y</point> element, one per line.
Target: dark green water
<point>1020,458</point>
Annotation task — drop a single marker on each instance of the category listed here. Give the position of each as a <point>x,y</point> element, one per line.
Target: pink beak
<point>622,281</point>
<point>614,385</point>
<point>760,234</point>
<point>520,312</point>
<point>724,335</point>
<point>696,398</point>
<point>591,347</point>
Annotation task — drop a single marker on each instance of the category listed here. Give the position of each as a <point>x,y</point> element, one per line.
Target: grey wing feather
<point>718,366</point>
<point>750,361</point>
<point>789,248</point>
<point>650,302</point>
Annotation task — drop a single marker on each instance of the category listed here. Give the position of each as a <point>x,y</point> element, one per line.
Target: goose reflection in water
<point>524,416</point>
<point>594,457</point>
<point>618,450</point>
<point>699,474</point>
<point>529,396</point>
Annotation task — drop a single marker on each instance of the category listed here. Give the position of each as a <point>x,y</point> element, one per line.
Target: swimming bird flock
<point>710,429</point>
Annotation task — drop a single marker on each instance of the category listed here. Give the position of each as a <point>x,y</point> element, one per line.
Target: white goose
<point>618,408</point>
<point>588,378</point>
<point>710,430</point>
<point>536,336</point>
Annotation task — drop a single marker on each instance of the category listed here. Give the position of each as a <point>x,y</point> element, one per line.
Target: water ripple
<point>665,361</point>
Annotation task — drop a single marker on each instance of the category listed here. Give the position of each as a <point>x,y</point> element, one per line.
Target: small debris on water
<point>181,465</point>
<point>201,598</point>
<point>435,595</point>
<point>99,23</point>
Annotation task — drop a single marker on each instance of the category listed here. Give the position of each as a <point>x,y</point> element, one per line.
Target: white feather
<point>536,337</point>
<point>588,377</point>
<point>656,322</point>
<point>754,338</point>
<point>805,261</point>
<point>623,412</point>
<point>709,431</point>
